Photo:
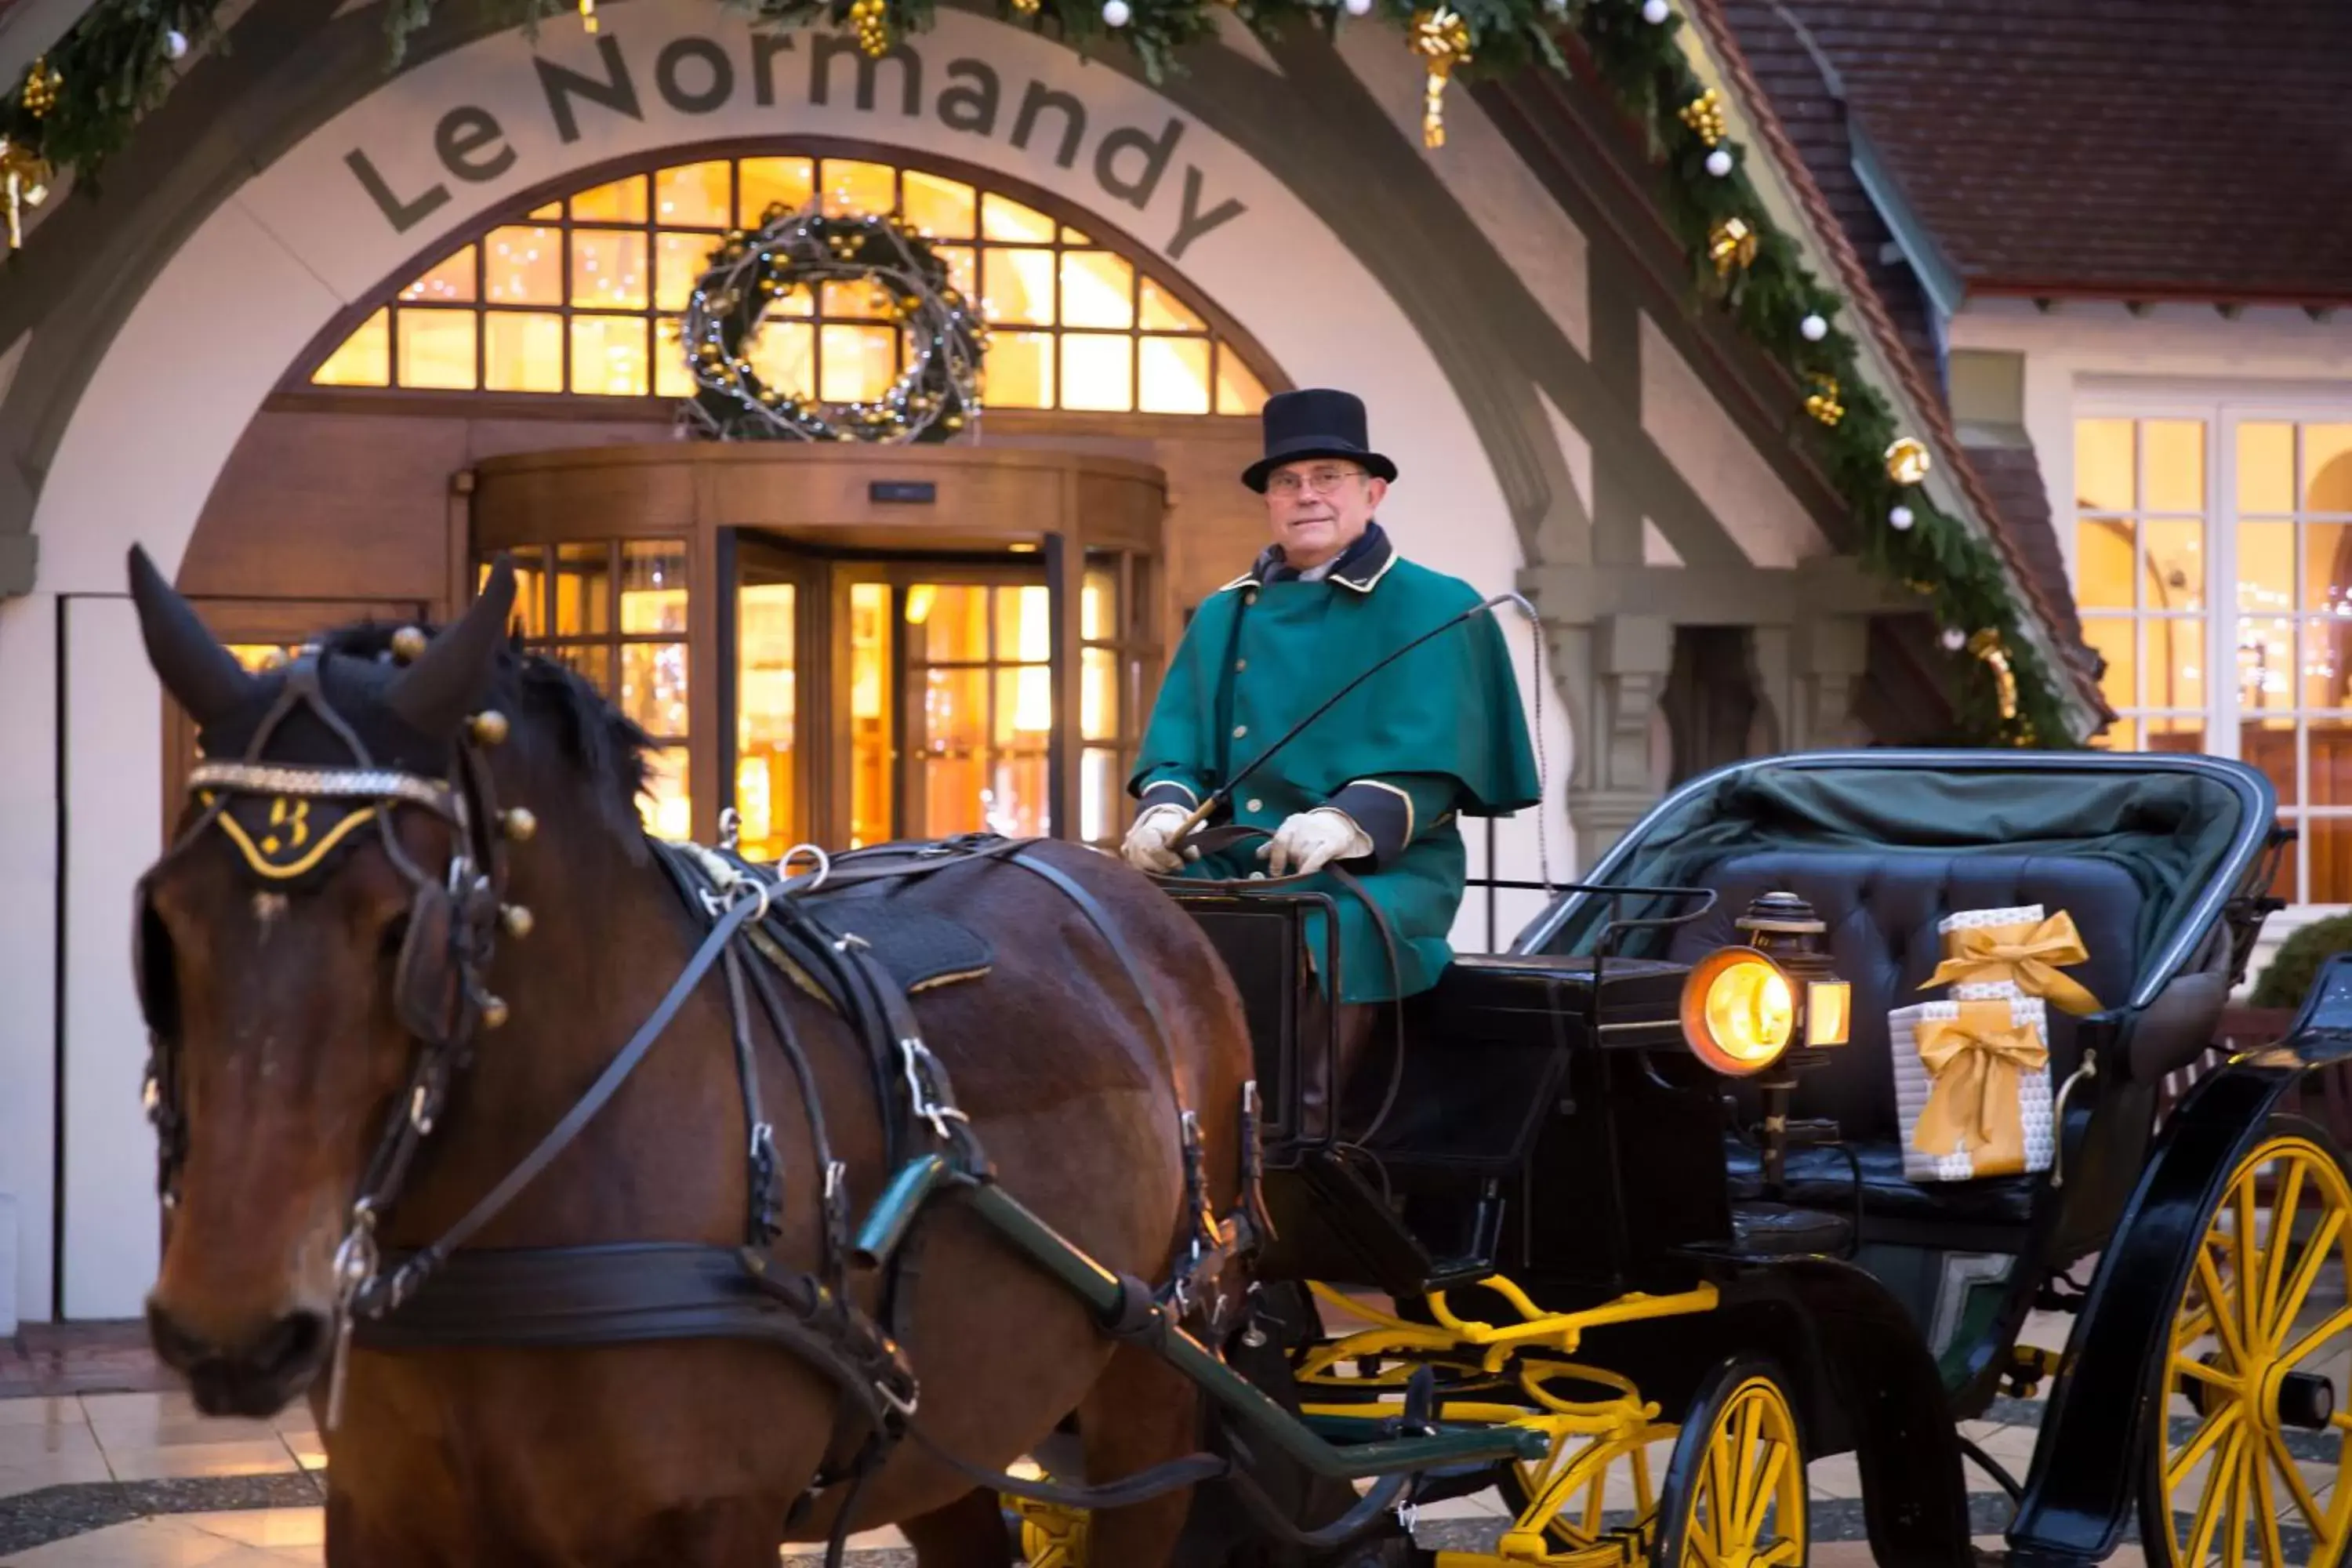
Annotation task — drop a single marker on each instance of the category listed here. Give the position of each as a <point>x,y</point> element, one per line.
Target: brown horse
<point>287,1053</point>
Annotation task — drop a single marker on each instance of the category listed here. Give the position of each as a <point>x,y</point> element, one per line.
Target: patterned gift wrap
<point>2022,915</point>
<point>1914,1084</point>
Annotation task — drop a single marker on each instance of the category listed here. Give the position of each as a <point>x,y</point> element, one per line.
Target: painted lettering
<point>403,216</point>
<point>1035,101</point>
<point>765,47</point>
<point>825,48</point>
<point>973,107</point>
<point>465,131</point>
<point>1193,223</point>
<point>561,85</point>
<point>1154,151</point>
<point>670,75</point>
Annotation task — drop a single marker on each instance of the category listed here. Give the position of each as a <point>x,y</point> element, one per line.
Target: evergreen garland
<point>76,107</point>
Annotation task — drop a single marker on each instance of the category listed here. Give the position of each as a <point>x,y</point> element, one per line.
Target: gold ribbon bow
<point>2021,954</point>
<point>1976,1061</point>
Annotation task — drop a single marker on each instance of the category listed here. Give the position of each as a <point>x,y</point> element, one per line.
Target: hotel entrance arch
<point>844,644</point>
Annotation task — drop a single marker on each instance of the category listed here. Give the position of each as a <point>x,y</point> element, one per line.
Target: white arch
<point>304,239</point>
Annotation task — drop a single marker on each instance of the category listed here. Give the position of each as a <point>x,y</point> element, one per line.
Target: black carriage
<point>1694,1266</point>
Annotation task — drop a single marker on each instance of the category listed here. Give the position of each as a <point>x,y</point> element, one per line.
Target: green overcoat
<point>1436,736</point>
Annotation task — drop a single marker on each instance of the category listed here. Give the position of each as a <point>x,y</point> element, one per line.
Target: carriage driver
<point>1375,785</point>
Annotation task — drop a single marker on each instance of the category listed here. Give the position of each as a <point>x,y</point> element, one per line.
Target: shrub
<point>2288,979</point>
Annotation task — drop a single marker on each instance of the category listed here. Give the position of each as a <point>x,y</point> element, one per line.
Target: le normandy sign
<point>695,76</point>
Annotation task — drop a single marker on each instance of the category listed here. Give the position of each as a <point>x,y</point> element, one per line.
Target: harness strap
<point>1142,1487</point>
<point>763,1184</point>
<point>385,1294</point>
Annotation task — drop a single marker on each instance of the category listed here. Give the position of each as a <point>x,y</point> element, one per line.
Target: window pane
<point>2175,453</point>
<point>953,618</point>
<point>1000,217</point>
<point>1099,602</point>
<point>2266,663</point>
<point>1097,371</point>
<point>859,190</point>
<point>943,209</point>
<point>450,283</point>
<point>530,618</point>
<point>953,719</point>
<point>1015,803</point>
<point>1024,708</point>
<point>787,183</point>
<point>963,269</point>
<point>2267,745</point>
<point>2111,637</point>
<point>2103,569</point>
<point>2327,567</point>
<point>2176,564</point>
<point>608,356</point>
<point>2288,882</point>
<point>667,806</point>
<point>2172,652</point>
<point>1025,624</point>
<point>2103,465</point>
<point>1017,286</point>
<point>2123,735</point>
<point>1098,695</point>
<point>523,351</point>
<point>593,662</point>
<point>2328,663</point>
<point>856,365</point>
<point>551,212</point>
<point>1175,374</point>
<point>860,301</point>
<point>2331,762</point>
<point>2328,468</point>
<point>652,687</point>
<point>783,355</point>
<point>678,260</point>
<point>671,376</point>
<point>2266,468</point>
<point>584,588</point>
<point>1019,370</point>
<point>523,267</point>
<point>1097,289</point>
<point>693,194</point>
<point>622,201</point>
<point>437,349</point>
<point>2182,735</point>
<point>608,270</point>
<point>2265,567</point>
<point>1071,237</point>
<point>1238,390</point>
<point>873,746</point>
<point>2329,844</point>
<point>653,588</point>
<point>364,359</point>
<point>766,717</point>
<point>1100,797</point>
<point>1163,312</point>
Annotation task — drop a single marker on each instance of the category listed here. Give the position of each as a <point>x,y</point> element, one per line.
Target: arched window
<point>581,295</point>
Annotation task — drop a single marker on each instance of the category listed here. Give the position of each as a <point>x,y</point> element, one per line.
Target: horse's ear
<point>433,695</point>
<point>200,675</point>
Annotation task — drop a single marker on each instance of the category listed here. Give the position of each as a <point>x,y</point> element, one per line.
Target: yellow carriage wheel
<point>1611,1482</point>
<point>1735,1490</point>
<point>1051,1537</point>
<point>2249,1466</point>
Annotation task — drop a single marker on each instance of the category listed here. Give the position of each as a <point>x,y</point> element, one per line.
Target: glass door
<point>769,765</point>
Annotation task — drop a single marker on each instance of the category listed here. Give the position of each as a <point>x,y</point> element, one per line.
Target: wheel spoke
<point>2208,1508</point>
<point>2281,1237</point>
<point>2220,1423</point>
<point>2213,1375</point>
<point>2246,1249</point>
<point>1744,1458</point>
<point>2266,1507</point>
<point>1776,1461</point>
<point>2309,1506</point>
<point>2323,1243</point>
<point>2224,1328</point>
<point>2337,1321</point>
<point>1785,1553</point>
<point>2233,1552</point>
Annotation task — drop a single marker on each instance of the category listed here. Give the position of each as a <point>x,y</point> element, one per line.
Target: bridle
<point>453,919</point>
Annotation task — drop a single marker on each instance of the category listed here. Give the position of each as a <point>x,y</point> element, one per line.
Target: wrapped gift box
<point>2013,1015</point>
<point>2021,918</point>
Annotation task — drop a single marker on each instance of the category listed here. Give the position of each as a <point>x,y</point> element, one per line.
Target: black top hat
<point>1314,422</point>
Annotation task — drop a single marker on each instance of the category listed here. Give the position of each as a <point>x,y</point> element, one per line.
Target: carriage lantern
<point>1743,1007</point>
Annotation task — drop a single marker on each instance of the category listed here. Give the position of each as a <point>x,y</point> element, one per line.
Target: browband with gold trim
<point>326,783</point>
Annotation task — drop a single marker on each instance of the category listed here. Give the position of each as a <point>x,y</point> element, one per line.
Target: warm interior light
<point>1738,1011</point>
<point>920,600</point>
<point>1829,1012</point>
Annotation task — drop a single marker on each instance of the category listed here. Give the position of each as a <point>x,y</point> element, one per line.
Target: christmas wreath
<point>936,394</point>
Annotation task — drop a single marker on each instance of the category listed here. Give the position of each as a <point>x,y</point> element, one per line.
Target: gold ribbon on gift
<point>2024,956</point>
<point>1975,1063</point>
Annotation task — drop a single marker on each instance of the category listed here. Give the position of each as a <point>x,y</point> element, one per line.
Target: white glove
<point>1311,840</point>
<point>1151,842</point>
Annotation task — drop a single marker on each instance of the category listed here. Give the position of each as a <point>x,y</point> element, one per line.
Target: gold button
<point>1240,665</point>
<point>1239,731</point>
<point>1250,597</point>
<point>1257,806</point>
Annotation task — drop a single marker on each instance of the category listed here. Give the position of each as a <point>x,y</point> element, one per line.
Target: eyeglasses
<point>1322,480</point>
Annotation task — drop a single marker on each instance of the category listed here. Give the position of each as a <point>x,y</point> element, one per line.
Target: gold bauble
<point>1442,39</point>
<point>408,644</point>
<point>1822,404</point>
<point>1986,645</point>
<point>1907,461</point>
<point>39,94</point>
<point>1704,114</point>
<point>1729,244</point>
<point>518,920</point>
<point>488,728</point>
<point>518,824</point>
<point>494,1013</point>
<point>25,177</point>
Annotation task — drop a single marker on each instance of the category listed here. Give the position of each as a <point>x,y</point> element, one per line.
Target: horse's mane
<point>543,698</point>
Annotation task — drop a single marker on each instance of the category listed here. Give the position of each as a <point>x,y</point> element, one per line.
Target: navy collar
<point>1361,566</point>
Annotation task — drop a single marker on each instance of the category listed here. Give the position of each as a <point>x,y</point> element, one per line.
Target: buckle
<point>922,1091</point>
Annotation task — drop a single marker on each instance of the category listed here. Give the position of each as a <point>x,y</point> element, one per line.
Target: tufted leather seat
<point>1881,907</point>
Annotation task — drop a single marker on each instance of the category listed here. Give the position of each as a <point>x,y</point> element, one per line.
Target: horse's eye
<point>395,936</point>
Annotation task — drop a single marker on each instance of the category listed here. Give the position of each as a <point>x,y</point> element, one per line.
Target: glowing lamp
<point>1743,1008</point>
